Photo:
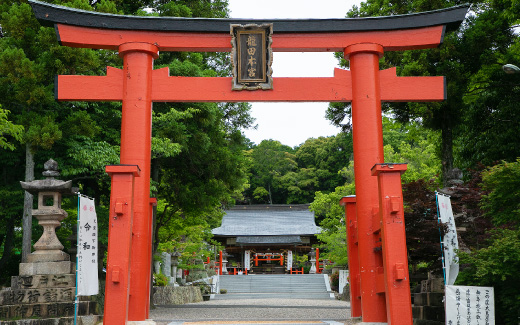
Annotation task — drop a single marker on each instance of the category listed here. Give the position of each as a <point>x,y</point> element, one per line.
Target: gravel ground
<point>242,311</point>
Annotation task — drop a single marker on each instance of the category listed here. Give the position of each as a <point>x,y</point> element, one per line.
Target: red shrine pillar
<point>220,263</point>
<point>395,255</point>
<point>136,132</point>
<point>349,202</point>
<point>153,203</point>
<point>121,216</point>
<point>368,151</point>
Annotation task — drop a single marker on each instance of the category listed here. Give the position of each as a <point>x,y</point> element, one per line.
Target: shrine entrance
<point>266,238</point>
<point>375,218</point>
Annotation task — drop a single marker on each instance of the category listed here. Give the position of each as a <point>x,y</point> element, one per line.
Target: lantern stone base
<point>44,300</point>
<point>64,267</point>
<point>48,256</point>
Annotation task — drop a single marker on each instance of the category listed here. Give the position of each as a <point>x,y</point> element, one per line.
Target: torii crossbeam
<point>137,85</point>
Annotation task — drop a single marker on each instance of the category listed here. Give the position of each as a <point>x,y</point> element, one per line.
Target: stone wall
<point>428,306</point>
<point>170,295</point>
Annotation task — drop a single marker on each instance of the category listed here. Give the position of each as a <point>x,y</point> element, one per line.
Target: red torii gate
<point>384,285</point>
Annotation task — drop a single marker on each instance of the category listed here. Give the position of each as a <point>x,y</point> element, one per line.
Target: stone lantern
<point>224,262</point>
<point>312,255</point>
<point>174,265</point>
<point>48,256</point>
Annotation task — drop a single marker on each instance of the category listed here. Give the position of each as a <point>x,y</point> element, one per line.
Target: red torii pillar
<point>138,85</point>
<point>393,241</point>
<point>136,145</point>
<point>368,150</point>
<point>349,202</point>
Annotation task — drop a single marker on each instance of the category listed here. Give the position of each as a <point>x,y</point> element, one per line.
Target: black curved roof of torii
<point>49,15</point>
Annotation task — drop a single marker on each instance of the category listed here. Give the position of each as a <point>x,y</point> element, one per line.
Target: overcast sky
<point>293,123</point>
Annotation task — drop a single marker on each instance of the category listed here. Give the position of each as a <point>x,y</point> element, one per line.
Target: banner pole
<point>440,237</point>
<point>77,251</point>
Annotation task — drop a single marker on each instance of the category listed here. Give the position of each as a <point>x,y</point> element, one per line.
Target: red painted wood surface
<point>349,202</point>
<point>153,203</point>
<point>368,151</point>
<point>121,217</point>
<point>220,263</point>
<point>394,40</point>
<point>218,89</point>
<point>267,257</point>
<point>136,132</point>
<point>395,258</point>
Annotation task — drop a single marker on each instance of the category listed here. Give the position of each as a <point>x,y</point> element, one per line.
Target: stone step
<point>274,286</point>
<point>260,295</point>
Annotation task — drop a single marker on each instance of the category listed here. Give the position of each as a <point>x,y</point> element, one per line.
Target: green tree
<point>7,128</point>
<point>502,203</point>
<point>404,143</point>
<point>496,266</point>
<point>331,218</point>
<point>270,161</point>
<point>29,58</point>
<point>198,162</point>
<point>482,40</point>
<point>414,145</point>
<point>488,133</point>
<point>325,156</point>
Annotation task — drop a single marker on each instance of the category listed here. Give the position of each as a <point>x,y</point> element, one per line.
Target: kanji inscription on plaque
<point>251,56</point>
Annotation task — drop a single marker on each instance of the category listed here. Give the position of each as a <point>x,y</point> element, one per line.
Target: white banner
<point>289,260</point>
<point>247,260</point>
<point>450,242</point>
<point>87,268</point>
<point>470,305</point>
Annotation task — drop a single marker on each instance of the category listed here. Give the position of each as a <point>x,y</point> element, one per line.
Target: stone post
<point>166,264</point>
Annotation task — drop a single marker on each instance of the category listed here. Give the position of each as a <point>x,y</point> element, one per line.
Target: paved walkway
<point>255,311</point>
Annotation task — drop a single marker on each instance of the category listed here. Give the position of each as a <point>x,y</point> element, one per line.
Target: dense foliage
<point>495,261</point>
<point>198,163</point>
<point>471,60</point>
<point>281,174</point>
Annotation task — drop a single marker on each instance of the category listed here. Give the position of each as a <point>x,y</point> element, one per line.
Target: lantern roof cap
<point>50,184</point>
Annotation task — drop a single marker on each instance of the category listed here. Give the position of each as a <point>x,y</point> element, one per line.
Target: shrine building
<point>264,238</point>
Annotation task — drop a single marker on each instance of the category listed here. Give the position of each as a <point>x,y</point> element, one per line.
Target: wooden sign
<point>252,56</point>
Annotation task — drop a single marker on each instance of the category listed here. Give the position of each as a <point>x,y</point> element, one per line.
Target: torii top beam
<point>85,29</point>
<point>413,31</point>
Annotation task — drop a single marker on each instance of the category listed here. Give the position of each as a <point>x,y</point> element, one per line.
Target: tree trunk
<point>27,205</point>
<point>8,244</point>
<point>446,153</point>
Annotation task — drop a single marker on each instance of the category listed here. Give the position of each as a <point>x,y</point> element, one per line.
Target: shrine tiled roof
<point>267,220</point>
<point>259,240</point>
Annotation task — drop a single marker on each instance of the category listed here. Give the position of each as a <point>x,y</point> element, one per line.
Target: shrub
<point>160,280</point>
<point>334,280</point>
<point>497,266</point>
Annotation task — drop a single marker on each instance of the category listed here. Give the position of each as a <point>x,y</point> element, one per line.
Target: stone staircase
<point>282,286</point>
